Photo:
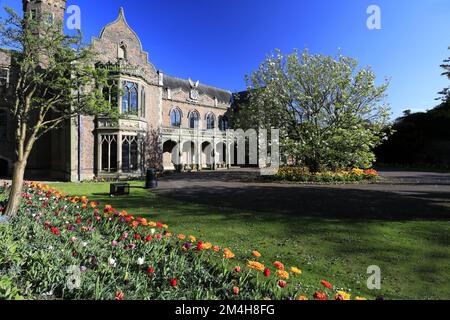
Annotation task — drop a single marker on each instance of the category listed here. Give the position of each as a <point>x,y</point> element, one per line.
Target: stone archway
<point>221,154</point>
<point>207,160</point>
<point>188,155</point>
<point>171,156</point>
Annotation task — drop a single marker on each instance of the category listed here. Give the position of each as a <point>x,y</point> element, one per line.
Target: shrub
<point>303,174</point>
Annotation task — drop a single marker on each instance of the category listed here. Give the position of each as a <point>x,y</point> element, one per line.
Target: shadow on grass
<point>323,202</point>
<point>327,231</point>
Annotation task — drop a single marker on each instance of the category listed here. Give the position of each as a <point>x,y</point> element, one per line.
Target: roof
<point>222,95</point>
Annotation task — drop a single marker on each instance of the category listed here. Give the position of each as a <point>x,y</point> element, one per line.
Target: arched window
<point>3,124</point>
<point>210,121</point>
<point>223,123</point>
<point>143,102</point>
<point>175,118</point>
<point>110,93</point>
<point>130,151</point>
<point>109,153</point>
<point>194,119</point>
<point>130,98</point>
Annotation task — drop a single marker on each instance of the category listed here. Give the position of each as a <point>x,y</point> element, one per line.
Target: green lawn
<point>414,256</point>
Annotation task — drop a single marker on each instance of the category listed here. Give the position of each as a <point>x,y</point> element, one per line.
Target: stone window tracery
<point>194,119</point>
<point>109,153</point>
<point>130,98</point>
<point>210,121</point>
<point>175,118</point>
<point>130,154</point>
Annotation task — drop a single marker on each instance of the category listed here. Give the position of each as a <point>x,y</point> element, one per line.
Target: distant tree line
<point>421,139</point>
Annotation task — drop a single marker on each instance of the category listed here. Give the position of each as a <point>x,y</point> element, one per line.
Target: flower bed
<point>302,174</point>
<point>60,247</point>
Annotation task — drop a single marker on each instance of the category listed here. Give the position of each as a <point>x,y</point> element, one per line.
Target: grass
<point>414,256</point>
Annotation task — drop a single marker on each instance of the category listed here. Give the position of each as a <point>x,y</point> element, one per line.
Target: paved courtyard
<point>400,196</point>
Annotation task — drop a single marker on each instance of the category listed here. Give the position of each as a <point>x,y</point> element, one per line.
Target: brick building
<point>166,122</point>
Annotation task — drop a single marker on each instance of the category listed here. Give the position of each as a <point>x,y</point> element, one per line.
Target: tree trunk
<point>15,195</point>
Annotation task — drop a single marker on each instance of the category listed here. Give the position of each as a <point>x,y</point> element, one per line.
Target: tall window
<point>223,123</point>
<point>194,119</point>
<point>109,153</point>
<point>122,54</point>
<point>210,121</point>
<point>111,93</point>
<point>175,118</point>
<point>3,124</point>
<point>4,77</point>
<point>130,154</point>
<point>130,98</point>
<point>143,102</point>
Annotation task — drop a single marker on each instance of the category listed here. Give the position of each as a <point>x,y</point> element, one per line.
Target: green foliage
<point>446,91</point>
<point>8,291</point>
<point>53,80</point>
<point>330,114</point>
<point>54,74</point>
<point>302,174</point>
<point>420,140</point>
<point>11,263</point>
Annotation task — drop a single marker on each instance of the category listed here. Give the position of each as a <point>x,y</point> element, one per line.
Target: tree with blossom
<point>331,115</point>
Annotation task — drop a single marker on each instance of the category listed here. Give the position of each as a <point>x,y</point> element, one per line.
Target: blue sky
<point>219,41</point>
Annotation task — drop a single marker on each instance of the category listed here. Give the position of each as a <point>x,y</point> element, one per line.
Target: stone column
<point>228,149</point>
<point>99,154</point>
<point>214,157</point>
<point>199,149</point>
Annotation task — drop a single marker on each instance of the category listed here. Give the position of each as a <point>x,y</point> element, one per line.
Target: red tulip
<point>151,270</point>
<point>320,296</point>
<point>236,291</point>
<point>282,283</point>
<point>173,282</point>
<point>119,295</point>
<point>238,269</point>
<point>326,284</point>
<point>267,273</point>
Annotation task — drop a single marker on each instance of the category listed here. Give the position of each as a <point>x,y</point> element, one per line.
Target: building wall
<point>181,101</point>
